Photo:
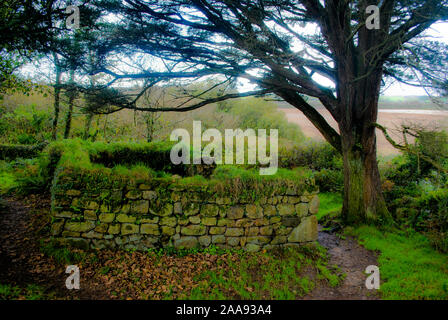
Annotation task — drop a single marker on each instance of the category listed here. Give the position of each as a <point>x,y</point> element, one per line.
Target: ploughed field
<point>391,119</point>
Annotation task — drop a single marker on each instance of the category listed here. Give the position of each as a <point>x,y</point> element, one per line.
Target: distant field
<point>408,102</point>
<point>388,118</point>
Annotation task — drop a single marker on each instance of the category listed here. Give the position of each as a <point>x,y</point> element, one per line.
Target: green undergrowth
<point>21,176</point>
<point>30,292</point>
<point>285,274</point>
<point>182,252</point>
<point>329,203</point>
<point>13,151</point>
<point>62,255</point>
<point>410,268</point>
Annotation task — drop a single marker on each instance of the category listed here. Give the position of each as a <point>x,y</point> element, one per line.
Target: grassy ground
<point>329,202</point>
<point>285,274</point>
<point>31,292</point>
<point>410,267</point>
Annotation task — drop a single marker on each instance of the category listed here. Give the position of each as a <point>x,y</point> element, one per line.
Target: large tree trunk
<point>71,100</point>
<point>363,199</point>
<point>57,94</point>
<point>356,114</point>
<point>87,126</point>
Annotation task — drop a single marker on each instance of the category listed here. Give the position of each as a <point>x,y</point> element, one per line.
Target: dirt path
<point>13,262</point>
<point>353,259</point>
<point>22,263</point>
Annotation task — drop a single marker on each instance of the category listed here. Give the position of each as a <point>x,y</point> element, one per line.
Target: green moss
<point>75,170</point>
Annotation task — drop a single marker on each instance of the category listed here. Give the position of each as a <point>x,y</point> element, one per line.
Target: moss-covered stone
<point>101,228</point>
<point>164,211</point>
<point>235,212</point>
<point>191,209</point>
<point>234,232</point>
<point>195,219</point>
<point>140,207</point>
<point>64,214</point>
<point>217,230</point>
<point>193,230</point>
<point>125,207</point>
<point>149,195</point>
<point>79,226</point>
<point>106,217</point>
<point>186,242</point>
<point>244,222</point>
<point>92,235</point>
<point>114,229</point>
<point>233,241</point>
<point>205,241</point>
<point>68,234</point>
<point>279,240</point>
<point>92,205</point>
<point>57,227</point>
<point>168,230</point>
<point>286,209</point>
<point>270,211</point>
<point>302,209</point>
<point>124,218</point>
<point>314,205</point>
<point>209,221</point>
<point>253,231</point>
<point>90,215</point>
<point>266,231</point>
<point>306,231</point>
<point>73,193</point>
<point>134,194</point>
<point>152,229</point>
<point>218,239</point>
<point>252,247</point>
<point>168,221</point>
<point>129,228</point>
<point>209,210</point>
<point>148,219</point>
<point>177,208</point>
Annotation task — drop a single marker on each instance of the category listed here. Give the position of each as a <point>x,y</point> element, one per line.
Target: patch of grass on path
<point>409,267</point>
<point>284,274</point>
<point>329,202</point>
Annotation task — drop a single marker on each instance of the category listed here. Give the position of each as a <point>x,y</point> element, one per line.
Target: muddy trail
<point>23,222</point>
<point>352,259</point>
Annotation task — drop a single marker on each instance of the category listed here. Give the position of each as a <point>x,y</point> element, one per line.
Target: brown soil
<point>390,119</point>
<point>21,261</point>
<point>23,222</point>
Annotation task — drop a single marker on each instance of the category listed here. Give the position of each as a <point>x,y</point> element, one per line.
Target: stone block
<point>306,231</point>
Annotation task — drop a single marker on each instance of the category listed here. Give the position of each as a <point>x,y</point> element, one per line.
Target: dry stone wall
<point>130,214</point>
